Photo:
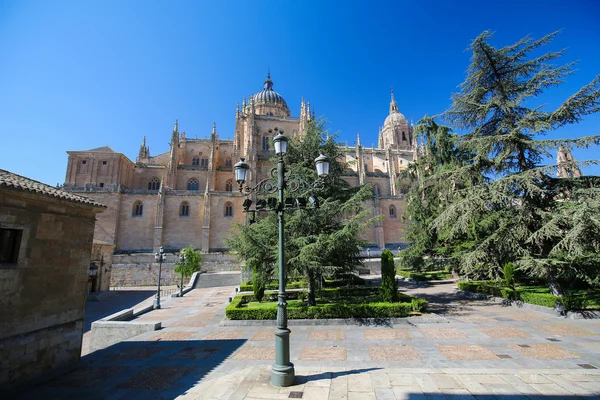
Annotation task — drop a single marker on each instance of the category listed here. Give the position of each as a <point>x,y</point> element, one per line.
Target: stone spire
<point>393,105</point>
<point>213,135</point>
<point>358,139</point>
<point>567,168</point>
<point>308,114</point>
<point>144,151</point>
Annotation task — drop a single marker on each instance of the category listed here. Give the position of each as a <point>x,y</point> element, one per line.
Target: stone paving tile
<point>201,316</point>
<point>543,351</point>
<point>137,352</point>
<point>327,334</point>
<point>223,335</point>
<point>402,379</point>
<point>264,335</point>
<point>337,353</point>
<point>86,376</point>
<point>467,352</point>
<point>189,324</point>
<point>255,353</point>
<point>156,378</point>
<point>395,353</point>
<point>195,352</point>
<point>172,336</point>
<point>503,332</point>
<point>590,345</point>
<point>387,334</point>
<point>564,330</point>
<point>442,333</point>
<point>526,316</point>
<point>475,318</point>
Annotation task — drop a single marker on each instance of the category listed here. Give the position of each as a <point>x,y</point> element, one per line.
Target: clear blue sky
<point>76,75</point>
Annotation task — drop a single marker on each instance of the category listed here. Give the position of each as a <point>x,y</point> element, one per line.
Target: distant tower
<point>566,164</point>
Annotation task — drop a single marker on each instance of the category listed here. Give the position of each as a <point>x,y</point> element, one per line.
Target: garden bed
<point>331,303</point>
<point>574,300</point>
<point>345,280</point>
<point>424,276</point>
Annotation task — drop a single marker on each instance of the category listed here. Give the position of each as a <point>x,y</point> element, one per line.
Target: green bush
<point>388,290</point>
<point>419,305</point>
<point>238,310</point>
<point>258,284</point>
<point>509,274</point>
<point>424,276</point>
<point>575,303</point>
<point>540,299</point>
<point>343,280</point>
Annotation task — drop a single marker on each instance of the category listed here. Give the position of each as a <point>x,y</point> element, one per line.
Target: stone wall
<point>142,269</point>
<point>43,294</point>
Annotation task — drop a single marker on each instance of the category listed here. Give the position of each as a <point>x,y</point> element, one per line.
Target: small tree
<point>258,283</point>
<point>191,263</point>
<point>388,290</point>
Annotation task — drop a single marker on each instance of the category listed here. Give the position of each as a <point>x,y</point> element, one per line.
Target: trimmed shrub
<point>419,305</point>
<point>575,303</point>
<point>238,311</point>
<point>540,299</point>
<point>509,274</point>
<point>388,290</point>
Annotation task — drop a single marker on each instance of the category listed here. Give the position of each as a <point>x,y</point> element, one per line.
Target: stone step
<point>217,279</point>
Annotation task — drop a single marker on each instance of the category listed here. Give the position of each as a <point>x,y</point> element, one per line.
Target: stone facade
<point>188,195</point>
<point>45,246</point>
<point>142,269</point>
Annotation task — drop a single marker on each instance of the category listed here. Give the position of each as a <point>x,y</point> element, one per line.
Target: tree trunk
<point>553,284</point>
<point>312,287</point>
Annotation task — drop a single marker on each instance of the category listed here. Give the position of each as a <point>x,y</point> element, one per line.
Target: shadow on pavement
<point>140,370</point>
<point>488,396</point>
<point>120,300</point>
<point>300,379</point>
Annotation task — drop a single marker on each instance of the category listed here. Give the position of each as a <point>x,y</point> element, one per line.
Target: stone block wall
<point>142,269</point>
<point>29,354</point>
<point>43,294</point>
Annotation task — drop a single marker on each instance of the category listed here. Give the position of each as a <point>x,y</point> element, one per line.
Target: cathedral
<point>188,195</point>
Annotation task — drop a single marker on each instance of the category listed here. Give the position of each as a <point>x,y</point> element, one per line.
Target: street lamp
<point>282,372</point>
<point>160,257</point>
<point>182,259</point>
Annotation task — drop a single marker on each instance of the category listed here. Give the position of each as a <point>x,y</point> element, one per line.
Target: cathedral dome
<point>268,98</point>
<point>395,118</point>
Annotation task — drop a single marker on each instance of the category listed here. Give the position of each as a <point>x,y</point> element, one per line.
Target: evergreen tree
<point>429,190</point>
<point>519,212</point>
<point>388,290</point>
<point>319,242</point>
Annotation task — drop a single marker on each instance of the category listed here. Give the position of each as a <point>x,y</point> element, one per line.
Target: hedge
<point>423,276</point>
<point>237,311</point>
<point>495,288</point>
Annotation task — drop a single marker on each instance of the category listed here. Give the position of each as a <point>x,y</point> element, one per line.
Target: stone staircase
<point>216,279</point>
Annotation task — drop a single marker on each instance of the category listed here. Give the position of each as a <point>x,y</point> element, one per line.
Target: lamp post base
<point>282,375</point>
<point>156,304</point>
<point>282,372</point>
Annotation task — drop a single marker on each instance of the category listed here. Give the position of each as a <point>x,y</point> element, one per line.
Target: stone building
<point>45,246</point>
<point>188,195</point>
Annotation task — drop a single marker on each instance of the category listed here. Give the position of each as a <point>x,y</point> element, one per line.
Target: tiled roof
<point>14,181</point>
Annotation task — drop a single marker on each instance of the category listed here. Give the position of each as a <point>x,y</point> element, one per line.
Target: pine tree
<point>520,212</point>
<point>319,242</point>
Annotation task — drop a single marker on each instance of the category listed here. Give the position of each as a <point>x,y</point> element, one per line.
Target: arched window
<point>192,184</point>
<point>138,209</point>
<point>229,186</point>
<point>184,209</point>
<point>228,162</point>
<point>154,184</point>
<point>228,210</point>
<point>265,143</point>
<point>204,163</point>
<point>196,161</point>
<point>392,212</point>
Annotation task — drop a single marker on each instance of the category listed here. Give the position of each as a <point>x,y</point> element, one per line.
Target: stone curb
<point>527,306</point>
<point>340,321</point>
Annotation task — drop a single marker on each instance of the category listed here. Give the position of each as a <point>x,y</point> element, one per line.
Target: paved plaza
<point>467,349</point>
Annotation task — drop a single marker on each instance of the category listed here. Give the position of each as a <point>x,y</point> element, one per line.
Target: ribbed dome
<point>269,97</point>
<point>395,118</point>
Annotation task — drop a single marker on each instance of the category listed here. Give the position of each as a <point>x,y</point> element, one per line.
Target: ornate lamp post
<point>160,257</point>
<point>182,259</point>
<point>282,372</point>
